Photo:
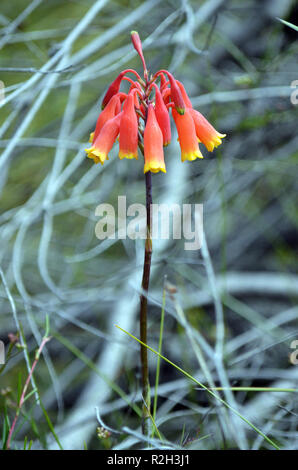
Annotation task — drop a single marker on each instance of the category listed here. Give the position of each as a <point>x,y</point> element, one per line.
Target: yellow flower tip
<point>154,167</point>
<point>94,158</point>
<point>91,137</point>
<point>166,143</point>
<point>191,156</point>
<point>129,156</point>
<point>89,152</point>
<point>215,142</point>
<point>210,146</point>
<point>96,155</point>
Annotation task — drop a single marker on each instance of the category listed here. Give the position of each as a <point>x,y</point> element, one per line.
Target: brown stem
<point>143,309</point>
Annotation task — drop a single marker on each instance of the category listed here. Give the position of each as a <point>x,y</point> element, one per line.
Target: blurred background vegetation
<point>237,62</point>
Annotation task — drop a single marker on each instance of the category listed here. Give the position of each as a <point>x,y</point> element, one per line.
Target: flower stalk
<point>143,309</point>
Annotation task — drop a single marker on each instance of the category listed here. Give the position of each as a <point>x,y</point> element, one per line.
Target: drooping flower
<point>112,108</point>
<point>187,135</point>
<point>128,139</point>
<point>204,130</point>
<point>162,116</point>
<point>153,144</point>
<point>104,142</point>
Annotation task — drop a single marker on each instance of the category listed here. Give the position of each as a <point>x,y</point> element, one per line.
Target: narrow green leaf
<point>291,25</point>
<point>205,388</point>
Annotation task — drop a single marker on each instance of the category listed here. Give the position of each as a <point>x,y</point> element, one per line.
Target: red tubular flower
<point>113,108</point>
<point>162,116</point>
<point>104,141</point>
<point>205,131</point>
<point>187,136</point>
<point>153,144</point>
<point>128,139</point>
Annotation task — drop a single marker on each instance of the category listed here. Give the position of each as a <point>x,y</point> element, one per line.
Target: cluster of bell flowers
<point>141,119</point>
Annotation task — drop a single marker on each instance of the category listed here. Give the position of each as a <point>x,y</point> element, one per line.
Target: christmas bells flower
<point>105,140</point>
<point>128,139</point>
<point>204,130</point>
<point>153,144</point>
<point>108,113</point>
<point>141,119</point>
<point>187,136</point>
<point>162,116</point>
